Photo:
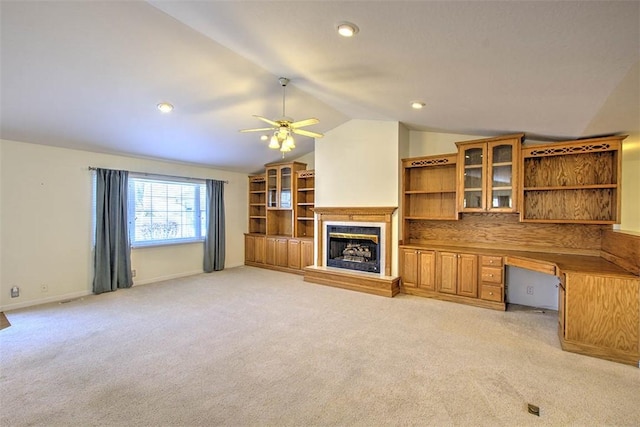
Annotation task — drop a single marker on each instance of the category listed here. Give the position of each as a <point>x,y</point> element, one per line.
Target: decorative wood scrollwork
<point>430,162</point>
<point>553,151</point>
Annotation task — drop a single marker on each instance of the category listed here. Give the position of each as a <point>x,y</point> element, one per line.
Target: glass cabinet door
<point>473,178</point>
<point>501,191</point>
<point>285,188</point>
<point>272,188</point>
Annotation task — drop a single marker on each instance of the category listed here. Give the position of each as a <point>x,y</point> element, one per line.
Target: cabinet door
<point>427,270</point>
<point>285,181</point>
<point>472,178</point>
<point>260,249</point>
<point>467,275</point>
<point>306,257</point>
<point>249,249</point>
<point>293,253</point>
<point>281,253</point>
<point>447,272</point>
<point>272,188</point>
<point>271,250</point>
<point>502,176</point>
<point>409,266</point>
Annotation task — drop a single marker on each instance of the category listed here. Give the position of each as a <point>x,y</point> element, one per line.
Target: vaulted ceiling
<point>88,75</point>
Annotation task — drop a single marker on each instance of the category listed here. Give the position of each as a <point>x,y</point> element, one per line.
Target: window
<point>165,211</point>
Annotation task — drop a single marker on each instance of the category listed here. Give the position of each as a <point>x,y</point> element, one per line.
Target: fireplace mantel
<point>381,284</point>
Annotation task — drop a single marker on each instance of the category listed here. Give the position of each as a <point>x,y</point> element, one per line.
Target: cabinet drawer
<point>491,260</point>
<point>491,293</point>
<point>491,275</point>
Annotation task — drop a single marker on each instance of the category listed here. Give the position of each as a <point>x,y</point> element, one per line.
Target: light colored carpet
<point>248,346</point>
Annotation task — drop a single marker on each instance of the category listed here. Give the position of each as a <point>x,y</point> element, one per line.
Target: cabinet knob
<point>490,293</point>
<point>490,261</point>
<point>491,275</point>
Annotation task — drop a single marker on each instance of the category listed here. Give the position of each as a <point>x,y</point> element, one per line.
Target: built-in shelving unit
<point>281,228</point>
<point>257,205</point>
<point>429,188</point>
<point>572,182</point>
<point>305,201</point>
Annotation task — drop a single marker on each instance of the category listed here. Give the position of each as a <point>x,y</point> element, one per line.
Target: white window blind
<point>166,211</point>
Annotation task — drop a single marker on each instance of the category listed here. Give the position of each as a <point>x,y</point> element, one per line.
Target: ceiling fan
<point>285,127</point>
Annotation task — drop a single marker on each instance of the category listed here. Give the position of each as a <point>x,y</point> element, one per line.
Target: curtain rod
<point>92,168</point>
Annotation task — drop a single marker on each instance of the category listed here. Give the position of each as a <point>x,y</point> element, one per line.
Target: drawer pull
<point>491,275</point>
<point>490,293</point>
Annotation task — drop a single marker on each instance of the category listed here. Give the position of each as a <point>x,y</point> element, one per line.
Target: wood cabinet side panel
<point>603,311</point>
<point>623,249</point>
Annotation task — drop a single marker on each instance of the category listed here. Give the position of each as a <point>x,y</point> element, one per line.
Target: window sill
<point>164,243</point>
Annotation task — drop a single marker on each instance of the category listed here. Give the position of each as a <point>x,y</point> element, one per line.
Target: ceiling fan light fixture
<point>285,148</point>
<point>290,142</point>
<point>274,143</point>
<point>347,29</point>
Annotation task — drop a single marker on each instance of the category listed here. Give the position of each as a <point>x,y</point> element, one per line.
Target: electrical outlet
<point>44,288</point>
<point>15,292</point>
<point>133,273</point>
<point>529,290</point>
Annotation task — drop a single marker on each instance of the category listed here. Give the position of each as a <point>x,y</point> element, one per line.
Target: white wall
<point>357,164</point>
<point>46,222</point>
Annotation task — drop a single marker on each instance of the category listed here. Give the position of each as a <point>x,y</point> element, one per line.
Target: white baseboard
<point>47,300</point>
<point>163,278</point>
<point>73,295</point>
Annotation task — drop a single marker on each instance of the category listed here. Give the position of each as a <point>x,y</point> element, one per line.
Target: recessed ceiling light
<point>165,107</point>
<point>417,105</point>
<point>347,29</point>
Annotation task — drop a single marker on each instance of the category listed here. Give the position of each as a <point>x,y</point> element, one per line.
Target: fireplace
<point>354,250</point>
<point>353,247</point>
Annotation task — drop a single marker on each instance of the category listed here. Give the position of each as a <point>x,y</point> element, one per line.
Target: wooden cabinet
<point>254,249</point>
<point>418,268</point>
<point>457,274</point>
<point>599,315</point>
<point>281,184</point>
<point>572,182</point>
<point>491,278</point>
<point>294,253</point>
<point>488,174</point>
<point>305,201</point>
<point>281,221</point>
<point>429,188</point>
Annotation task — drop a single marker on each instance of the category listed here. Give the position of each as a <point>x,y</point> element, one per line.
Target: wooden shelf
<point>573,182</point>
<point>429,191</point>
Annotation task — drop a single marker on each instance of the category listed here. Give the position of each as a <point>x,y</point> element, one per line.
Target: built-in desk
<point>598,301</point>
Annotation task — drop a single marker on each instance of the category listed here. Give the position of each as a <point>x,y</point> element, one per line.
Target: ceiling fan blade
<point>256,129</point>
<point>307,133</point>
<point>271,122</point>
<point>307,122</point>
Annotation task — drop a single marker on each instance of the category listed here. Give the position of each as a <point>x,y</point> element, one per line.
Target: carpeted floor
<point>248,346</point>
